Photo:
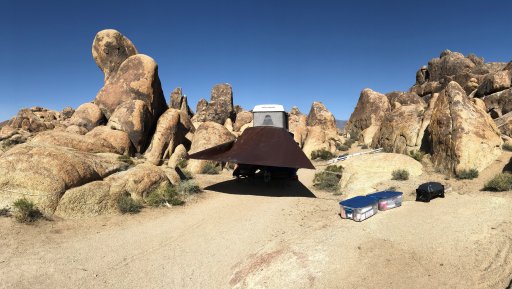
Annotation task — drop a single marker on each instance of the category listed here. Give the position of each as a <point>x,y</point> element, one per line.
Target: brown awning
<point>263,146</point>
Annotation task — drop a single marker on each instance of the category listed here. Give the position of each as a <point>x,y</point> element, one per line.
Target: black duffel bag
<point>427,191</point>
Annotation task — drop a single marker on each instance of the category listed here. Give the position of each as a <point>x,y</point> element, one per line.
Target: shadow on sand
<point>256,187</point>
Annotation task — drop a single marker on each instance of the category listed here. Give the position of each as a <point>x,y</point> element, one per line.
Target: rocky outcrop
<point>109,49</point>
<point>170,132</point>
<point>118,140</point>
<point>297,124</point>
<point>370,110</point>
<point>88,116</point>
<point>179,101</point>
<point>219,108</point>
<point>35,119</point>
<point>405,98</point>
<point>42,173</point>
<point>320,116</point>
<point>180,153</point>
<point>207,135</point>
<point>100,197</point>
<point>463,136</point>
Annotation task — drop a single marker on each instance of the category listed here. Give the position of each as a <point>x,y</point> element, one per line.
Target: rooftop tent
<point>262,146</point>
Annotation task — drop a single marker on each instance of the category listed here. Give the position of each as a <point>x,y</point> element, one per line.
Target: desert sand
<point>288,235</point>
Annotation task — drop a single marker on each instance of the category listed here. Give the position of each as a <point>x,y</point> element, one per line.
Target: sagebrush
<point>501,182</point>
<point>400,175</point>
<point>322,154</point>
<point>417,155</point>
<point>25,211</point>
<point>125,159</point>
<point>188,187</point>
<point>467,174</point>
<point>327,181</point>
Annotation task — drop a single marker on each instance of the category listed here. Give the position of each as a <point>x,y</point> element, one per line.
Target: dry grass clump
<point>25,211</point>
<point>467,174</point>
<point>501,182</point>
<point>417,155</point>
<point>164,196</point>
<point>400,175</point>
<point>125,159</point>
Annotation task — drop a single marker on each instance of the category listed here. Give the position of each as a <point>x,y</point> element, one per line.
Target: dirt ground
<point>287,235</point>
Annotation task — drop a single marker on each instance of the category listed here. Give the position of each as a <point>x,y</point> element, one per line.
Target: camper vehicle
<point>267,149</point>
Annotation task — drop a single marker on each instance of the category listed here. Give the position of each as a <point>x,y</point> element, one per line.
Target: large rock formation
<point>35,119</point>
<point>109,49</point>
<point>499,103</point>
<point>463,135</point>
<point>220,107</point>
<point>449,64</point>
<point>370,110</point>
<point>207,135</point>
<point>242,118</point>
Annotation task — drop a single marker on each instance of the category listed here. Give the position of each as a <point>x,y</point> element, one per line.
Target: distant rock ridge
<point>447,113</point>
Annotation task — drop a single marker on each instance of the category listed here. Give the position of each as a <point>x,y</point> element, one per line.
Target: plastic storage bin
<point>358,208</point>
<point>387,199</point>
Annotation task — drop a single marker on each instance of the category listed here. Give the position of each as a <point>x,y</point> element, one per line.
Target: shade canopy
<point>262,146</point>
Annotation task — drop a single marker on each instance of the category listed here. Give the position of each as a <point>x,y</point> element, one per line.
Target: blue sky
<point>287,52</point>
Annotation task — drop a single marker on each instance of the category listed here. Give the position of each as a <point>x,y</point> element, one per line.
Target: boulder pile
<point>457,113</point>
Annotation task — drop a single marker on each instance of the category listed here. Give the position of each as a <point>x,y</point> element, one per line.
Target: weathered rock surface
<point>359,178</point>
<point>117,139</point>
<point>405,98</point>
<point>320,116</point>
<point>79,142</point>
<point>100,197</point>
<point>370,110</point>
<point>463,135</point>
<point>494,82</point>
<point>207,135</point>
<point>136,79</point>
<point>170,132</point>
<point>220,106</point>
<point>400,129</point>
<point>297,124</point>
<point>499,102</point>
<point>134,118</point>
<point>449,64</point>
<point>67,112</point>
<point>180,153</point>
<point>88,115</point>
<point>109,49</point>
<point>44,173</point>
<point>242,118</point>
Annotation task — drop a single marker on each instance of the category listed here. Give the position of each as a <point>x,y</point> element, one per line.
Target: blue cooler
<point>358,208</point>
<point>387,199</point>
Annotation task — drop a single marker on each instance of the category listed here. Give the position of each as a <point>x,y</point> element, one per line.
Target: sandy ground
<point>251,235</point>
